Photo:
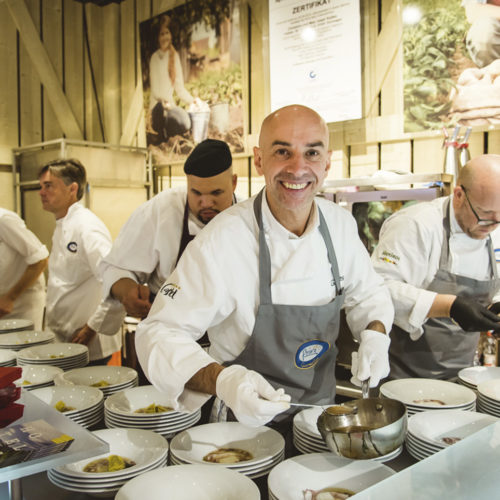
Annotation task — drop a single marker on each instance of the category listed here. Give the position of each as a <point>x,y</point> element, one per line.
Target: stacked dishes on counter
<point>180,482</point>
<point>423,394</point>
<point>15,325</point>
<point>147,449</point>
<point>82,404</point>
<point>109,379</point>
<point>473,375</point>
<point>8,357</point>
<point>295,477</point>
<point>27,338</point>
<point>307,438</point>
<point>488,397</point>
<point>64,355</point>
<point>432,431</point>
<point>140,407</point>
<point>37,376</point>
<point>266,447</point>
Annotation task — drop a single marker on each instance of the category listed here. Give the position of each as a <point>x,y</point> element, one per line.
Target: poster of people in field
<point>451,63</point>
<point>191,71</point>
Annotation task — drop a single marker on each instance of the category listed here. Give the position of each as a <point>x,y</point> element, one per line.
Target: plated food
<point>330,493</point>
<point>61,406</point>
<point>228,456</point>
<point>112,463</point>
<point>154,408</point>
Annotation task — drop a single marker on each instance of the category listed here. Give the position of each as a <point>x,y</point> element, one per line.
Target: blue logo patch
<point>497,254</point>
<point>72,246</point>
<point>308,353</point>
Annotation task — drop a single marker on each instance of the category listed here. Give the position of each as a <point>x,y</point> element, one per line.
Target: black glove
<point>473,317</point>
<point>495,308</point>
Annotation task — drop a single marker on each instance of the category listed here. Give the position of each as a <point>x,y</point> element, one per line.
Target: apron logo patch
<point>389,257</point>
<point>72,246</point>
<point>308,353</point>
<point>169,290</point>
<point>497,254</point>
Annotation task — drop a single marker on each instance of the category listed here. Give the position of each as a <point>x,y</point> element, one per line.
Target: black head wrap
<point>210,157</point>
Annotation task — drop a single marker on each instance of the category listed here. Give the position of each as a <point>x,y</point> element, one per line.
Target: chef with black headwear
<point>156,234</point>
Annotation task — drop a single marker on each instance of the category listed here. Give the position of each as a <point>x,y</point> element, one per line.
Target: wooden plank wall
<point>28,115</point>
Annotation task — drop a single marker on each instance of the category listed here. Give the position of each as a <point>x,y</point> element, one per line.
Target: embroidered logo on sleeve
<point>169,290</point>
<point>72,246</point>
<point>497,254</point>
<point>389,257</point>
<point>308,353</point>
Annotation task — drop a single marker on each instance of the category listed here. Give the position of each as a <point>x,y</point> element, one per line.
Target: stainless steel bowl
<point>376,427</point>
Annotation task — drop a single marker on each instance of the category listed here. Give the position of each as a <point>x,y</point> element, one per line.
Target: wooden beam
<point>44,68</point>
<point>134,115</point>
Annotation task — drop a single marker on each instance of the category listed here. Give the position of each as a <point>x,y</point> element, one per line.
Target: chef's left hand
<point>372,359</point>
<point>83,336</point>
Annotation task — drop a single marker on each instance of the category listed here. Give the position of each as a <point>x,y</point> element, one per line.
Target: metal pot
<point>376,427</point>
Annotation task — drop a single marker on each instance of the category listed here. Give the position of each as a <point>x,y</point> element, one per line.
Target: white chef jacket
<point>148,243</point>
<point>407,257</point>
<point>74,289</point>
<point>20,248</point>
<point>215,287</point>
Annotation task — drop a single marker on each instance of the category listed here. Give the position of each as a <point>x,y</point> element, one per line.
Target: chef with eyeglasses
<point>441,262</point>
<point>268,278</point>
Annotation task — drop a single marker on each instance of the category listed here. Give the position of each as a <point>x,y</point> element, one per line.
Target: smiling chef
<point>267,279</point>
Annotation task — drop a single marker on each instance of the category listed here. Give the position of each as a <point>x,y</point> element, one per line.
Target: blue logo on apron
<point>308,353</point>
<point>497,254</point>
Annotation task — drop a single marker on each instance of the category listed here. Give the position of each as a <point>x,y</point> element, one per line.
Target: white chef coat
<point>74,289</point>
<point>20,248</point>
<point>215,287</point>
<point>407,257</point>
<point>148,243</point>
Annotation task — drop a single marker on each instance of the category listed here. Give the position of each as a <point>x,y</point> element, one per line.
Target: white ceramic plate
<point>55,351</point>
<point>6,356</point>
<point>37,374</point>
<point>316,471</point>
<point>473,375</point>
<point>189,482</point>
<point>78,397</point>
<point>425,393</point>
<point>193,444</point>
<point>11,325</point>
<point>89,375</point>
<point>490,389</point>
<point>23,339</point>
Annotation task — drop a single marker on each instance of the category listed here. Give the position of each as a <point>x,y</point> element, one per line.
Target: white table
<point>85,444</point>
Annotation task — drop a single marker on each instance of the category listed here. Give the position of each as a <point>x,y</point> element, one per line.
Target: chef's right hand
<point>133,296</point>
<point>473,317</point>
<point>253,400</point>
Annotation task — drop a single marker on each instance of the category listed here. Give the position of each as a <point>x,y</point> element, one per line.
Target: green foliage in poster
<point>430,56</point>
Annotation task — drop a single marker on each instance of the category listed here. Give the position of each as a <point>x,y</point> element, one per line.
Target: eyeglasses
<point>480,222</point>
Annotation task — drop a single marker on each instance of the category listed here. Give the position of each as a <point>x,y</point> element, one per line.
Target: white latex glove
<point>372,359</point>
<point>253,400</point>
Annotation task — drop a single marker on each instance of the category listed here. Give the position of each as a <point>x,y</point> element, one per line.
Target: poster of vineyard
<point>451,63</point>
<point>191,75</point>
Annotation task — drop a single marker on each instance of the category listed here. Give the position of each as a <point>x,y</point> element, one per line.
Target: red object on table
<point>10,414</point>
<point>9,373</point>
<point>10,411</point>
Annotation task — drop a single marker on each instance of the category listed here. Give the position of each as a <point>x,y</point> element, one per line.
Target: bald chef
<point>267,279</point>
<point>152,240</point>
<point>440,260</point>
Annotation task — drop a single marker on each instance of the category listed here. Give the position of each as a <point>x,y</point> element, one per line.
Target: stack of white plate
<point>472,375</point>
<point>422,394</point>
<point>37,376</point>
<point>148,450</point>
<point>488,397</point>
<point>318,471</point>
<point>64,355</point>
<point>121,410</point>
<point>86,402</point>
<point>307,438</point>
<point>28,338</point>
<point>109,379</point>
<point>189,482</point>
<point>266,446</point>
<point>15,325</point>
<point>8,357</point>
<point>432,431</point>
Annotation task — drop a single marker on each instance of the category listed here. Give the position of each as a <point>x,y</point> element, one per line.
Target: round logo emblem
<point>72,246</point>
<point>308,353</point>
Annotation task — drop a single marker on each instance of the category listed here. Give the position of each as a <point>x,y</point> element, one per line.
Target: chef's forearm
<point>30,275</point>
<point>441,306</point>
<point>122,287</point>
<point>204,380</point>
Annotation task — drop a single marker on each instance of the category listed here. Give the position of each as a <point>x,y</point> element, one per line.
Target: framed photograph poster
<point>192,81</point>
<point>315,56</point>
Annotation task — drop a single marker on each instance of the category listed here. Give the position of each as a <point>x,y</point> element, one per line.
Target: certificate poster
<point>315,56</point>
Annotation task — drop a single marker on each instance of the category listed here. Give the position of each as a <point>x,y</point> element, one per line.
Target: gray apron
<point>294,346</point>
<point>444,348</point>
